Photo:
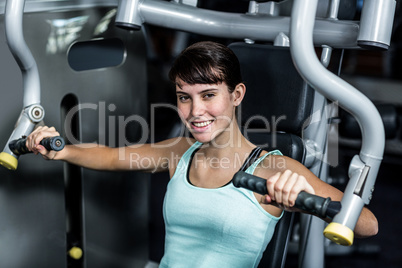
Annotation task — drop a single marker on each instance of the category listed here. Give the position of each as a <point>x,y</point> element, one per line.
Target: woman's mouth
<point>202,124</point>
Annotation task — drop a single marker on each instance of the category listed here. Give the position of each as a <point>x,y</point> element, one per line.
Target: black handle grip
<point>316,205</point>
<point>18,146</point>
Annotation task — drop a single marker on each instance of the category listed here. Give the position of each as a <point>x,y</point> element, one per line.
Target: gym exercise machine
<point>264,22</point>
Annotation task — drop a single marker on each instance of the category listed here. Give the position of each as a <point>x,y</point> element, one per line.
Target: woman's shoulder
<point>276,162</point>
<point>273,162</point>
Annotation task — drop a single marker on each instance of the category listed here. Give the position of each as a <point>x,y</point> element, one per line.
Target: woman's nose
<point>197,109</point>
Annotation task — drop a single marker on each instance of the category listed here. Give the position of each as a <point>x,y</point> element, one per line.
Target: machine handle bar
<point>316,205</point>
<point>18,146</point>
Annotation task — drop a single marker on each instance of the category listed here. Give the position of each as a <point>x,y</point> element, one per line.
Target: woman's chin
<point>202,137</point>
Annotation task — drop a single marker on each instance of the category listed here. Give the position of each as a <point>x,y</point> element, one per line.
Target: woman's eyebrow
<point>201,92</point>
<point>208,90</point>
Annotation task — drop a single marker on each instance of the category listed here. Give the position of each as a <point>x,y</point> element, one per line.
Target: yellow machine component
<point>75,253</point>
<point>339,234</point>
<point>8,161</point>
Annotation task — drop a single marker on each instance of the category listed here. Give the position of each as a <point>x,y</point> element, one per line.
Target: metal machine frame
<point>264,22</point>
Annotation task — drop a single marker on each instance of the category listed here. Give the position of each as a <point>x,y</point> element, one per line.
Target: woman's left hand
<point>284,187</point>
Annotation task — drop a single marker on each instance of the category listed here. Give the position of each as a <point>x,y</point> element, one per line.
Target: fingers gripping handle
<point>18,147</point>
<point>316,205</point>
<point>53,144</point>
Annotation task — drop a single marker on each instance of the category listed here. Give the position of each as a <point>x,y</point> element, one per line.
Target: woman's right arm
<point>145,157</point>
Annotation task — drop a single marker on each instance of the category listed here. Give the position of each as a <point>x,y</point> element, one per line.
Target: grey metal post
<point>32,111</point>
<point>364,168</point>
<point>312,244</point>
<point>15,39</point>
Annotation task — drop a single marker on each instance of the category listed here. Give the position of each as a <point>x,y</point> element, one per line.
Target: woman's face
<point>208,111</point>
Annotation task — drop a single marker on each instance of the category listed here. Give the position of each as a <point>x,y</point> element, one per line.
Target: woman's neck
<point>228,143</point>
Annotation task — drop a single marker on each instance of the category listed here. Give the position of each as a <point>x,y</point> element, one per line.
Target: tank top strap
<point>255,153</point>
<point>252,167</point>
<point>186,158</point>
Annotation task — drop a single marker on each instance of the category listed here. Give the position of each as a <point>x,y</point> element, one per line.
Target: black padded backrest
<point>276,106</point>
<point>275,110</point>
<point>290,145</point>
<point>275,91</point>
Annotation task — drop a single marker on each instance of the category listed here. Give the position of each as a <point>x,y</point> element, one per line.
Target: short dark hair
<point>207,63</point>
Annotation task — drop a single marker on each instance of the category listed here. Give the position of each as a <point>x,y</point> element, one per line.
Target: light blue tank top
<point>223,227</point>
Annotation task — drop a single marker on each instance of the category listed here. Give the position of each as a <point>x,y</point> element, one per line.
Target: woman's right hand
<point>34,139</point>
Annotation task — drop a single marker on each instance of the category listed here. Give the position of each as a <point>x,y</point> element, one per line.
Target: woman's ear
<point>238,94</point>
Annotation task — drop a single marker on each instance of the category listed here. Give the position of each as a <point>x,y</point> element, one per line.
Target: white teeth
<point>202,124</point>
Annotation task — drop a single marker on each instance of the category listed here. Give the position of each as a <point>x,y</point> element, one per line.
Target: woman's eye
<point>209,95</point>
<point>182,98</point>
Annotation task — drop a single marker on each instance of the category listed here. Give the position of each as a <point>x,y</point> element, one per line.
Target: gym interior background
<point>33,205</point>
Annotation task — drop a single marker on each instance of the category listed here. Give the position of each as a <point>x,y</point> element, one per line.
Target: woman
<point>209,222</point>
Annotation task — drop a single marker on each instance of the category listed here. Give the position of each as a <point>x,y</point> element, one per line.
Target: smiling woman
<point>209,222</point>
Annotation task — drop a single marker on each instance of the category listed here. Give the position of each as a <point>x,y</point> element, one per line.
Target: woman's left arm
<point>292,177</point>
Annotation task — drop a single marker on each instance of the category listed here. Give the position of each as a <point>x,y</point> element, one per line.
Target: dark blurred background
<point>32,220</point>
